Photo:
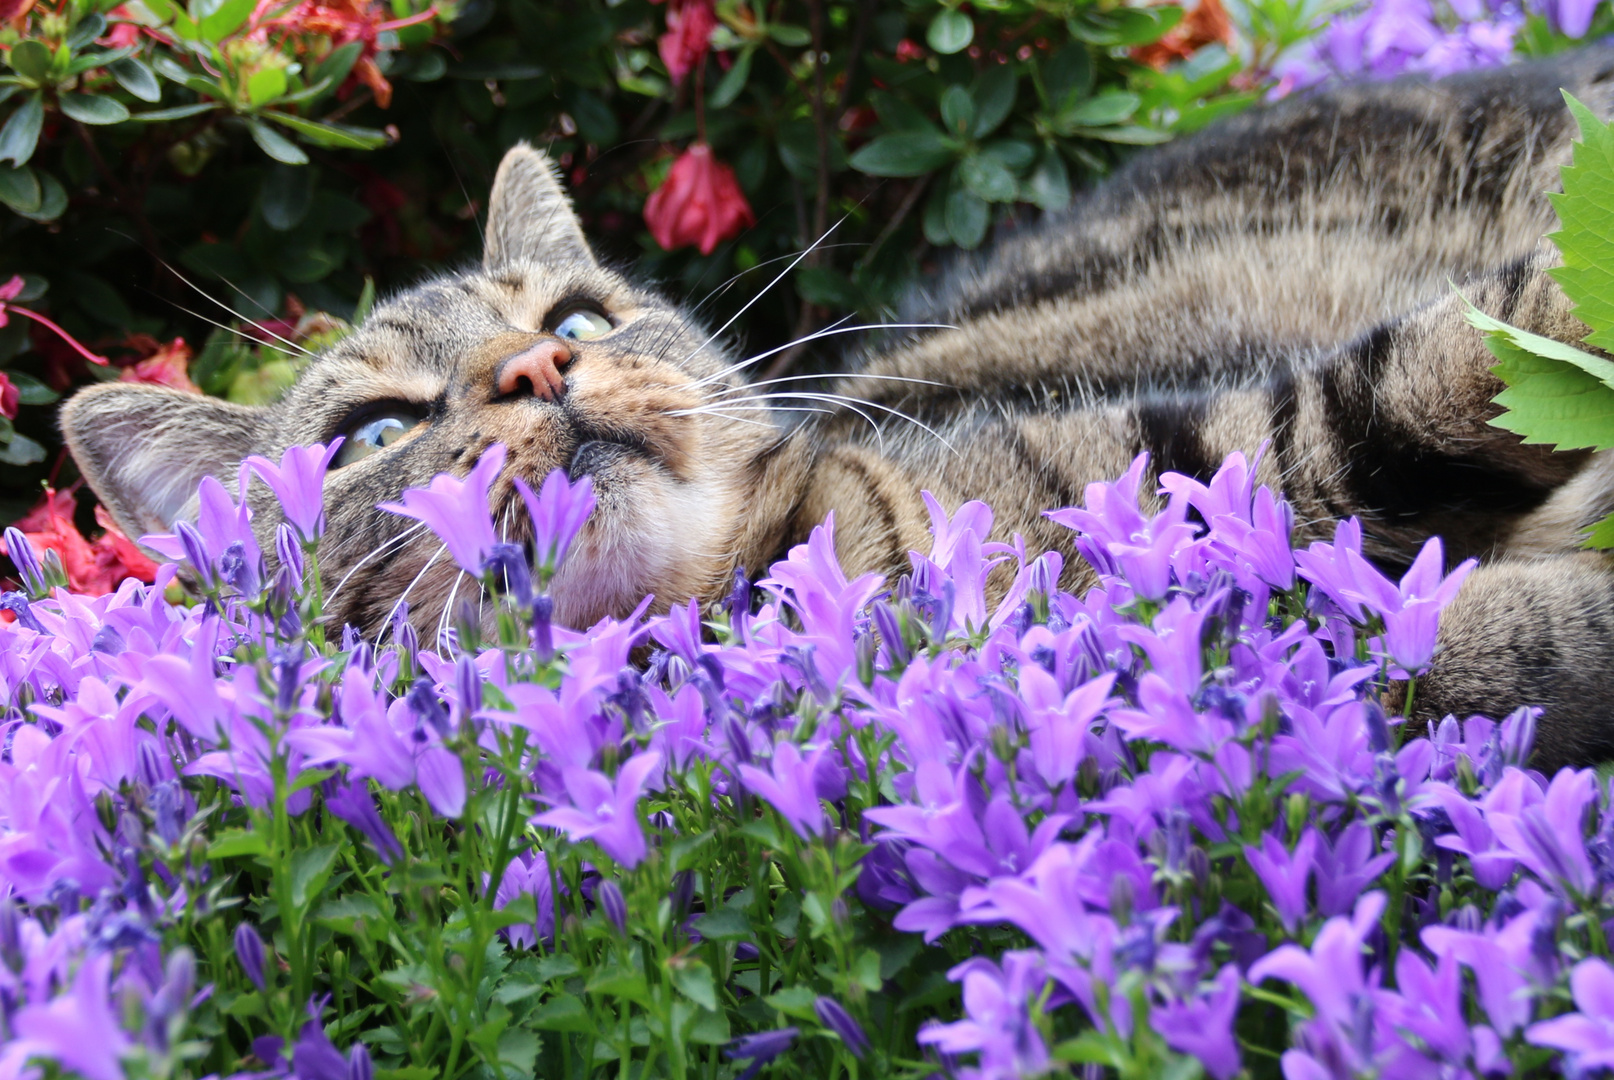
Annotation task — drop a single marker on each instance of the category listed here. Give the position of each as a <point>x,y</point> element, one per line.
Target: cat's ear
<point>530,216</point>
<point>144,449</point>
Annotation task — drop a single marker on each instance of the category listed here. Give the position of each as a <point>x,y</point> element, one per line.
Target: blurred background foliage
<point>199,190</point>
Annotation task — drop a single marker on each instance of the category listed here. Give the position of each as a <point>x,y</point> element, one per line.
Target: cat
<point>1284,278</point>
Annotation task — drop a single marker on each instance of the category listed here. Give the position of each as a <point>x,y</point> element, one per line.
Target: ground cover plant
<point>833,827</point>
<point>839,827</point>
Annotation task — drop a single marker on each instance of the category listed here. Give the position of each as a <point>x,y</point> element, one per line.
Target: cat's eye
<point>583,324</point>
<point>377,431</point>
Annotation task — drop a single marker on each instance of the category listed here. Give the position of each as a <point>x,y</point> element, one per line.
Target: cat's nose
<point>539,366</point>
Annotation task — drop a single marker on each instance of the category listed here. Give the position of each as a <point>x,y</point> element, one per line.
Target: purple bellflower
<point>790,788</point>
<point>603,811</point>
<point>558,510</point>
<point>298,482</point>
<point>1588,1034</point>
<point>457,510</point>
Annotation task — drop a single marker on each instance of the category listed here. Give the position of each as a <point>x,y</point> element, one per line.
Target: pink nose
<point>540,367</point>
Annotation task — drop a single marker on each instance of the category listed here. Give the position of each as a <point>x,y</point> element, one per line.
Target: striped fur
<point>1284,278</point>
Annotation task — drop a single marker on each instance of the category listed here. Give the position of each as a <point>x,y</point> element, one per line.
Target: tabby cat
<point>1285,277</point>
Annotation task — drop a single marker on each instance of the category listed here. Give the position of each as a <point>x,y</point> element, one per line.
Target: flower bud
<point>359,1065</point>
<point>614,905</point>
<point>196,555</point>
<point>249,950</point>
<point>55,572</point>
<point>289,550</point>
<point>468,688</point>
<point>543,639</point>
<point>833,1016</point>
<point>27,562</point>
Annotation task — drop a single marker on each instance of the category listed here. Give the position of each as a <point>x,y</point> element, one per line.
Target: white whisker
<point>841,399</point>
<point>828,331</point>
<point>395,541</point>
<point>442,549</point>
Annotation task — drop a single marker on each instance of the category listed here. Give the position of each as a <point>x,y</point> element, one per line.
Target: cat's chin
<point>649,534</point>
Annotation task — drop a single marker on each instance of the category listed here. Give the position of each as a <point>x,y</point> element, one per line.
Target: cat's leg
<point>1532,632</point>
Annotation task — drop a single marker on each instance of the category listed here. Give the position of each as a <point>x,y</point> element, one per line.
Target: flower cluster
<point>963,822</point>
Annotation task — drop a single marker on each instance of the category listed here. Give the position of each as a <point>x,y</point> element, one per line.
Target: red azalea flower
<point>1206,24</point>
<point>9,397</point>
<point>689,31</point>
<point>700,203</point>
<point>93,568</point>
<point>166,365</point>
<point>908,50</point>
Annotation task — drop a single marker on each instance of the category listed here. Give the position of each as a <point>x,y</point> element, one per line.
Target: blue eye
<point>583,325</point>
<point>377,432</point>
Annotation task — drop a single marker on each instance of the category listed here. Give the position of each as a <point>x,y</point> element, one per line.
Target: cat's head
<point>541,348</point>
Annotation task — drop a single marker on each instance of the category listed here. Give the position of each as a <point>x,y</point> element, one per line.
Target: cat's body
<point>1285,278</point>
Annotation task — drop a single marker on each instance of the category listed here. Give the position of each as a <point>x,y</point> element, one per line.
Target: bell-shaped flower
<point>457,510</point>
<point>790,787</point>
<point>558,510</point>
<point>298,482</point>
<point>1587,1034</point>
<point>604,811</point>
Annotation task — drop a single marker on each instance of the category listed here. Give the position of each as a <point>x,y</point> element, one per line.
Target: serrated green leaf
<point>21,133</point>
<point>1602,535</point>
<point>1556,394</point>
<point>94,108</point>
<point>694,981</point>
<point>136,78</point>
<point>561,1014</point>
<point>1586,234</point>
<point>234,842</point>
<point>310,869</point>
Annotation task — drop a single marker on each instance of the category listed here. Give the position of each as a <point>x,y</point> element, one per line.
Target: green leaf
<point>793,37</point>
<point>310,869</point>
<point>950,32</point>
<point>275,144</point>
<point>336,135</point>
<point>906,153</point>
<point>827,287</point>
<point>1110,107</point>
<point>21,450</point>
<point>518,1051</point>
<point>21,133</point>
<point>285,197</point>
<point>994,97</point>
<point>986,176</point>
<point>336,66</point>
<point>236,842</point>
<point>31,60</point>
<point>1602,535</point>
<point>693,979</point>
<point>93,108</point>
<point>724,924</point>
<point>957,110</point>
<point>796,1001</point>
<point>1068,75</point>
<point>54,202</point>
<point>226,20</point>
<point>20,189</point>
<point>733,81</point>
<point>1049,183</point>
<point>1131,134</point>
<point>1555,393</point>
<point>136,78</point>
<point>967,217</point>
<point>178,112</point>
<point>30,391</point>
<point>1586,236</point>
<point>86,30</point>
<point>561,1014</point>
<point>265,85</point>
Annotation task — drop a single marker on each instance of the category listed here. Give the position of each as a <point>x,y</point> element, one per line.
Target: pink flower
<point>9,397</point>
<point>689,30</point>
<point>700,203</point>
